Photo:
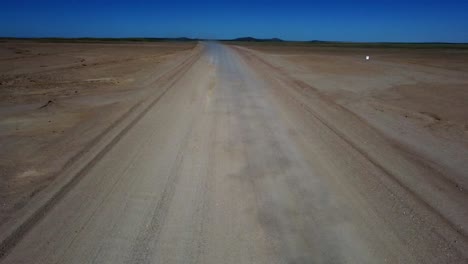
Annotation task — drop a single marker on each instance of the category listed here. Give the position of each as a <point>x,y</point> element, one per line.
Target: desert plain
<point>232,152</point>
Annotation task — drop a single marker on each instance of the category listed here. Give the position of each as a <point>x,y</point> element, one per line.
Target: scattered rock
<point>50,102</point>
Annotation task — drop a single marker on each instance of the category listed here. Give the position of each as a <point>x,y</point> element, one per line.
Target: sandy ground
<point>268,155</point>
<point>417,97</point>
<point>56,98</point>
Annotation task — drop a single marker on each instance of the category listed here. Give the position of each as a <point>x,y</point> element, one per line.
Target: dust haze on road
<point>238,163</point>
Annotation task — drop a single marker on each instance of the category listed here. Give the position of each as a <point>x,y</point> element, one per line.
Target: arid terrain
<point>416,97</point>
<point>55,99</point>
<point>174,152</point>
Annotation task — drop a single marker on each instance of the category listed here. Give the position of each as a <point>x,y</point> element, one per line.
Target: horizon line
<point>254,39</point>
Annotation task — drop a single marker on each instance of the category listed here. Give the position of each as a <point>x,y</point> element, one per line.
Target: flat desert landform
<point>232,152</point>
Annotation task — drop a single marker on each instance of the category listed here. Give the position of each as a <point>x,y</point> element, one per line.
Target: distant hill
<point>252,39</point>
<point>319,41</point>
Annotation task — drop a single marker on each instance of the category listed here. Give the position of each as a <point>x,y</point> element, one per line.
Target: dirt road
<point>239,163</point>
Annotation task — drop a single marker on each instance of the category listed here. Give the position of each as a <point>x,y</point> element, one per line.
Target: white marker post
<point>367,58</point>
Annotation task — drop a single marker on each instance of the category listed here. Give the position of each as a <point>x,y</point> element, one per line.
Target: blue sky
<point>358,20</point>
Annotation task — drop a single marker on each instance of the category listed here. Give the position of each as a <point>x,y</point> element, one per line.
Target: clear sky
<point>353,20</point>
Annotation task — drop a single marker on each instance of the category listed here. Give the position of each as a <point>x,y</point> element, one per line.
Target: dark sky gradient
<point>405,21</point>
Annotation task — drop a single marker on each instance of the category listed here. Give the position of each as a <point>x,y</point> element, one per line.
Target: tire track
<point>151,230</point>
<point>12,236</point>
<point>299,86</point>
